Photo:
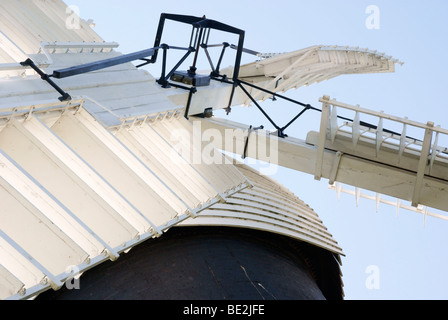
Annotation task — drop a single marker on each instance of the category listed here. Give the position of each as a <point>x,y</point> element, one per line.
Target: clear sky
<point>411,258</point>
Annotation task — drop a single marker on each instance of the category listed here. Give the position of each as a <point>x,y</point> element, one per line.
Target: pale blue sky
<point>412,258</point>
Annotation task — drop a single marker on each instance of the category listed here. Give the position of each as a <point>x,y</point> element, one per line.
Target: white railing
<point>379,198</point>
<point>11,69</point>
<point>420,154</point>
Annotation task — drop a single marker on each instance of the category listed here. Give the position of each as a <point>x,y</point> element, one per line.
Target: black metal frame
<point>200,33</point>
<point>201,24</point>
<point>201,27</point>
<point>64,95</point>
<point>280,130</point>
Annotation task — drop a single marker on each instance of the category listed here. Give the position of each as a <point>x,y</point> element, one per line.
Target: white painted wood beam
<point>354,168</point>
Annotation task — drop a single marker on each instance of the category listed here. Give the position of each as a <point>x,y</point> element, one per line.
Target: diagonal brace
<point>65,96</point>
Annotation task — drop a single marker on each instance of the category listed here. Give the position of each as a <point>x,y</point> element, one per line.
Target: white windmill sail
<point>93,164</point>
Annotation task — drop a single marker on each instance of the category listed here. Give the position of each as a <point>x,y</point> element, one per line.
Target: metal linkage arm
<point>97,65</point>
<point>28,62</point>
<point>249,51</point>
<point>280,130</point>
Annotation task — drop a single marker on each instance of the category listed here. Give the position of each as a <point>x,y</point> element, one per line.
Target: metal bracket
<point>243,156</point>
<point>190,95</point>
<point>28,62</point>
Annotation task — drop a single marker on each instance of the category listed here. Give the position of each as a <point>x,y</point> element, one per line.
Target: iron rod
<point>258,106</point>
<point>177,65</point>
<point>295,118</point>
<point>46,77</point>
<point>97,65</point>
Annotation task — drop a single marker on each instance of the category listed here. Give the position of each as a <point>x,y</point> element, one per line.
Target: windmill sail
<point>97,156</point>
